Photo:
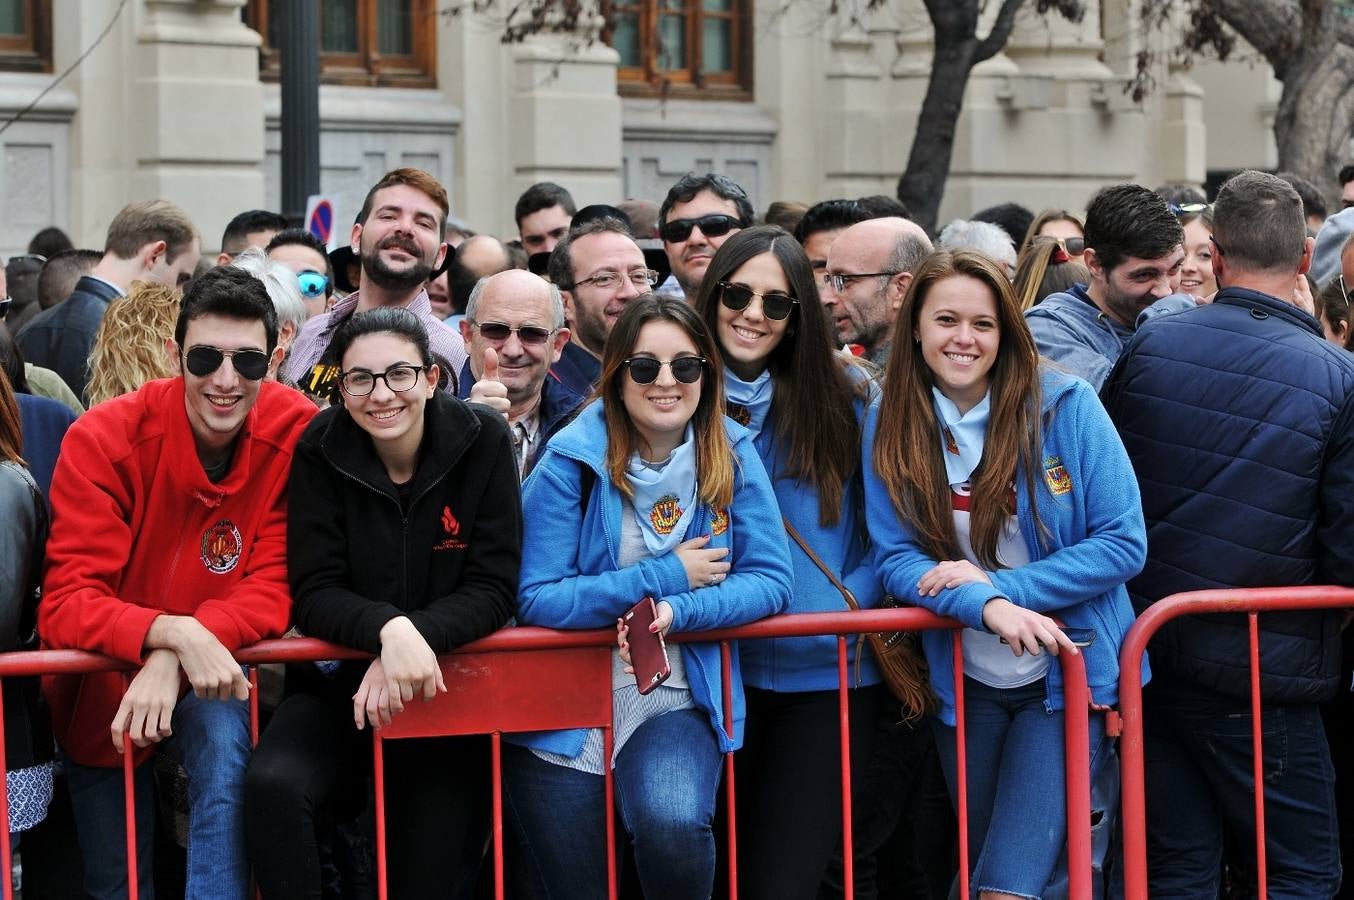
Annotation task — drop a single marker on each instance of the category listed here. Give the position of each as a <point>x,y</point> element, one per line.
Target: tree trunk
<point>928,165</point>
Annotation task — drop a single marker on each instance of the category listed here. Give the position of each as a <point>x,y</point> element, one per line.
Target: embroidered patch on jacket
<point>719,522</point>
<point>221,546</point>
<point>665,514</point>
<point>452,527</point>
<point>738,412</point>
<point>950,443</point>
<point>1059,482</point>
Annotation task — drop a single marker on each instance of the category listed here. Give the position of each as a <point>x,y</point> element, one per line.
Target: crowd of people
<point>1036,424</point>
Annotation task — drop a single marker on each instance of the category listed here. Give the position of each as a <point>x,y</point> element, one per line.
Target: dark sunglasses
<point>775,305</point>
<point>677,230</point>
<point>203,361</point>
<point>645,369</point>
<point>1073,245</point>
<point>529,335</point>
<point>313,284</point>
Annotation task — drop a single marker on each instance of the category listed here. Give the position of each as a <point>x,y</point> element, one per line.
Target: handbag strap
<point>849,597</point>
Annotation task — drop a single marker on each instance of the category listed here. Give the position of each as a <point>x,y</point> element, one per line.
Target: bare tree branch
<point>996,39</point>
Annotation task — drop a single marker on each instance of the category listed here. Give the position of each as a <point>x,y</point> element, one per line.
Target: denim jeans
<point>211,742</point>
<point>1017,798</point>
<point>1200,783</point>
<point>666,777</point>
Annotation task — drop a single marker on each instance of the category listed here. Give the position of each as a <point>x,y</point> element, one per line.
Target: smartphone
<point>648,650</point>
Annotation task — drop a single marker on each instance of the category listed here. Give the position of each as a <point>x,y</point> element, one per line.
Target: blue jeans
<point>211,742</point>
<point>1017,798</point>
<point>666,777</point>
<point>1200,782</point>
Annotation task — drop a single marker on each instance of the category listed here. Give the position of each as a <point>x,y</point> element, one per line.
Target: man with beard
<point>598,268</point>
<point>398,236</point>
<point>1134,249</point>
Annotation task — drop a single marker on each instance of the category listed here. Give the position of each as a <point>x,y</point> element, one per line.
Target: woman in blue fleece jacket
<point>803,403</point>
<point>999,493</point>
<point>649,492</point>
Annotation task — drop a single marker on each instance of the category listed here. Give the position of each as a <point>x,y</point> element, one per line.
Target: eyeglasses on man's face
<point>498,332</point>
<point>840,281</point>
<point>605,281</point>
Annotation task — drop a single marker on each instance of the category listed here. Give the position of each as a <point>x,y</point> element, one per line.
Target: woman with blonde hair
<point>1045,267</point>
<point>131,346</point>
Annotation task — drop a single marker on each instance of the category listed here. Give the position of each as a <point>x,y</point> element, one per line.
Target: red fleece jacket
<point>138,530</point>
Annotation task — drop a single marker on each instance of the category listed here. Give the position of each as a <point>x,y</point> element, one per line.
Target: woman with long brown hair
<point>649,492</point>
<point>998,493</point>
<point>803,403</point>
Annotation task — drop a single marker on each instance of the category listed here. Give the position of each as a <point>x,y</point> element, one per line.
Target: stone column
<point>564,121</point>
<point>171,107</point>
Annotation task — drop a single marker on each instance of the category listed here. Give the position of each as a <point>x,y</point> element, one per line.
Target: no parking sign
<point>320,219</point>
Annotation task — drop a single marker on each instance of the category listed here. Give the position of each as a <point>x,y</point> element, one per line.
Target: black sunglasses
<point>775,305</point>
<point>645,369</point>
<point>203,361</point>
<point>677,230</point>
<point>529,335</point>
<point>1074,246</point>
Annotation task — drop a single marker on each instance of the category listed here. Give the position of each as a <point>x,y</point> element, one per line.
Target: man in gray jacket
<point>1134,249</point>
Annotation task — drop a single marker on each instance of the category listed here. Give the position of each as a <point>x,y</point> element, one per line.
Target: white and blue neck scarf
<point>665,495</point>
<point>961,436</point>
<point>748,402</point>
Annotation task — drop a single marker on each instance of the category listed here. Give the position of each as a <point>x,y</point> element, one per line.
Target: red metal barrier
<point>1250,601</point>
<point>491,691</point>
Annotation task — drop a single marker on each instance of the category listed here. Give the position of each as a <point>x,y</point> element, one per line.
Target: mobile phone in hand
<point>648,651</point>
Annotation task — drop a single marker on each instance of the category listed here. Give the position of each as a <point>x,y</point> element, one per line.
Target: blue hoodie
<point>571,578</point>
<point>810,663</point>
<point>1094,541</point>
<point>1070,330</point>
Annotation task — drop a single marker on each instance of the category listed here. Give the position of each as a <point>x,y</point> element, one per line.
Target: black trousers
<point>789,786</point>
<point>310,770</point>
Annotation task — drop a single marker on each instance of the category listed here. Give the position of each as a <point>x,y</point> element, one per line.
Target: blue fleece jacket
<point>571,577</point>
<point>1094,540</point>
<point>810,663</point>
<point>1070,330</point>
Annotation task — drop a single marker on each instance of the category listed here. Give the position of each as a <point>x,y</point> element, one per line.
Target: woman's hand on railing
<point>148,705</point>
<point>1025,630</point>
<point>410,665</point>
<point>371,703</point>
<point>950,574</point>
<point>704,567</point>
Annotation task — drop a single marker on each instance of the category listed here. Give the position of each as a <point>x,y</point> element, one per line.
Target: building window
<point>26,35</point>
<point>364,42</point>
<point>683,47</point>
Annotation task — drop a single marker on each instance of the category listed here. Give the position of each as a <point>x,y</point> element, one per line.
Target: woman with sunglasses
<point>998,493</point>
<point>803,404</point>
<point>403,540</point>
<point>650,492</point>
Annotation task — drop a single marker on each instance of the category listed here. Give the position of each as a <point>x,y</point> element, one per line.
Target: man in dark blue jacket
<point>514,331</point>
<point>151,241</point>
<point>1239,419</point>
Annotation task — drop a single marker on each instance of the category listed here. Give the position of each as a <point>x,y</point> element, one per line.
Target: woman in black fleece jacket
<point>404,540</point>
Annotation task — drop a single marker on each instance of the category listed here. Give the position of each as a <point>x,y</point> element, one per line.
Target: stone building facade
<point>177,101</point>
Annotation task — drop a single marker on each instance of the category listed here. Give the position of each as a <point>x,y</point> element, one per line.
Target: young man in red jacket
<point>168,551</point>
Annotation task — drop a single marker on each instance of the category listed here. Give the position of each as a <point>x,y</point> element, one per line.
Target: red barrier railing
<point>490,691</point>
<point>1250,601</point>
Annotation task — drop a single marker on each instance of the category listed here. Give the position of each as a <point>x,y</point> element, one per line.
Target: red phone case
<point>648,651</point>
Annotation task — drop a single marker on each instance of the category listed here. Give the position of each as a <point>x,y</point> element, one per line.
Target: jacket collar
<point>449,428</point>
<point>558,400</point>
<point>1259,302</point>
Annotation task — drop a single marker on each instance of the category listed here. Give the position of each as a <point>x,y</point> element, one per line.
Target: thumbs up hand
<point>489,390</point>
